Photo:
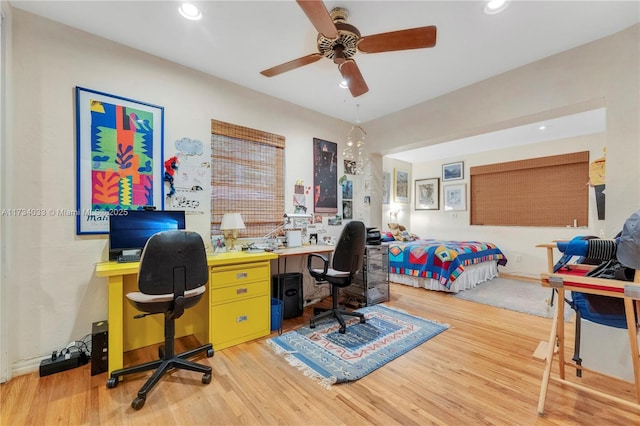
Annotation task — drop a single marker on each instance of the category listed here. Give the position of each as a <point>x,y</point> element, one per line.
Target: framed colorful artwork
<point>401,186</point>
<point>218,243</point>
<point>325,176</point>
<point>119,157</point>
<point>427,194</point>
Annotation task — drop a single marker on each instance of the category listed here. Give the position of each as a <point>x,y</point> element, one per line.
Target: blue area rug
<point>325,354</point>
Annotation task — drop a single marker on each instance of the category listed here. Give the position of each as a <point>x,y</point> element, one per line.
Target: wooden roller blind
<point>546,191</point>
<point>247,177</point>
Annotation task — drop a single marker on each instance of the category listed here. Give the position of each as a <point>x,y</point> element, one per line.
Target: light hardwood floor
<point>480,371</point>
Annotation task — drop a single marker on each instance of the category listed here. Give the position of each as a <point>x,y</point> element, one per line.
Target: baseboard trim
<point>26,366</point>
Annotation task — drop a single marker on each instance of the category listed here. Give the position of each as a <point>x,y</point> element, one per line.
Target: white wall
<point>5,32</point>
<point>440,224</point>
<point>55,295</point>
<point>603,73</point>
<point>49,270</point>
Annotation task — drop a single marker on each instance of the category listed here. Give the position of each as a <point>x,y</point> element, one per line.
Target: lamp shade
<point>232,221</point>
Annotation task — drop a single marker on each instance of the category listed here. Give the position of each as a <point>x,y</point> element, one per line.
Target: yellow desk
<point>226,291</point>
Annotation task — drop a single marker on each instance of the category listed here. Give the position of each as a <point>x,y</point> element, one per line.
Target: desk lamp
<point>231,222</point>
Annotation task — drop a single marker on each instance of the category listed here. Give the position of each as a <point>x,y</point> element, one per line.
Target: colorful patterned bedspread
<point>440,260</point>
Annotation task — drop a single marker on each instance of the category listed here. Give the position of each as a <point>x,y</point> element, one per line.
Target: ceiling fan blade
<point>291,65</point>
<point>414,38</point>
<point>351,73</point>
<point>319,17</point>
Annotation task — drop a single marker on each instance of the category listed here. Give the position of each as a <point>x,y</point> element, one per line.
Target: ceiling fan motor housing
<point>346,44</point>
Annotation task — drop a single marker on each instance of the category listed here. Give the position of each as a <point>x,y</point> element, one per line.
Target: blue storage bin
<point>276,314</point>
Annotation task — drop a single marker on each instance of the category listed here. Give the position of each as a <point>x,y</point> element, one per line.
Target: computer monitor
<point>130,229</point>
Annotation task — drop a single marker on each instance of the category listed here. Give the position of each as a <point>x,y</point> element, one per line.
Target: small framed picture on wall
<point>427,194</point>
<point>401,186</point>
<point>386,188</point>
<point>453,171</point>
<point>455,197</point>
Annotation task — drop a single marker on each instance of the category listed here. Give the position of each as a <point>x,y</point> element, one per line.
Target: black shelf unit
<point>371,285</point>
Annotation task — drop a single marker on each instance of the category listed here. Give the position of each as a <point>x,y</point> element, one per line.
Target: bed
<point>440,265</point>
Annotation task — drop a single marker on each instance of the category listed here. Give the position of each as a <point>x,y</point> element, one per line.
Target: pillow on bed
<point>399,232</point>
<point>387,236</point>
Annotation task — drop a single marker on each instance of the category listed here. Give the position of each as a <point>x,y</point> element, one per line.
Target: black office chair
<point>172,277</point>
<point>348,258</point>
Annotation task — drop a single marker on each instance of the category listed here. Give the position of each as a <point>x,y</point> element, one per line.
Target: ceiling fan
<point>339,41</point>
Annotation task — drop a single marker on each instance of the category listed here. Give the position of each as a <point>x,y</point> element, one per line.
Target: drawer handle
<point>242,318</point>
<point>241,290</point>
<point>241,275</point>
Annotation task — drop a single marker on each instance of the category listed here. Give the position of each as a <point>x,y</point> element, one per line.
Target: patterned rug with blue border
<point>330,357</point>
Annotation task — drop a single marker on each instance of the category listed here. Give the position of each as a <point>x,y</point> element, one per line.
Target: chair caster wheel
<point>112,382</point>
<point>363,320</point>
<point>137,403</point>
<point>206,378</point>
<point>342,330</point>
<point>312,325</point>
<point>209,353</point>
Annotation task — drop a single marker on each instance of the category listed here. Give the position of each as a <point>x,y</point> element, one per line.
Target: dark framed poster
<point>325,176</point>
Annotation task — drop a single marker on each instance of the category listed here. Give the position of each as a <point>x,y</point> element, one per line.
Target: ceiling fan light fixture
<point>355,145</point>
<point>343,84</point>
<point>493,7</point>
<point>190,11</point>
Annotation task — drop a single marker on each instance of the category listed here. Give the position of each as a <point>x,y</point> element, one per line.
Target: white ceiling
<point>235,40</point>
<point>584,123</point>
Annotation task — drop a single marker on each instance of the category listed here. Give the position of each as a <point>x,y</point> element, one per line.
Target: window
<point>247,177</point>
<point>546,191</point>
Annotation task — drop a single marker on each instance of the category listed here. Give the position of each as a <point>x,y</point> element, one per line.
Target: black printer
<point>373,236</point>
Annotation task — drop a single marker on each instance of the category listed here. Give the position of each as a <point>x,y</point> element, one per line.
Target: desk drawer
<point>238,322</point>
<point>239,291</point>
<point>239,274</point>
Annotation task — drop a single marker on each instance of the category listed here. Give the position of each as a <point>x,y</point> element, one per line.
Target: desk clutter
<point>241,298</point>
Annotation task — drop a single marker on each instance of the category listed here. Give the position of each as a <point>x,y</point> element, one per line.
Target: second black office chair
<point>172,277</point>
<point>347,261</point>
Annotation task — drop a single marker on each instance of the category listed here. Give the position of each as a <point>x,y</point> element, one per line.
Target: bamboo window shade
<point>547,191</point>
<point>247,177</point>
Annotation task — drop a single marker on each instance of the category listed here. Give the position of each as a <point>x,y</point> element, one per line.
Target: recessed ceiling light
<point>190,11</point>
<point>542,127</point>
<point>495,6</point>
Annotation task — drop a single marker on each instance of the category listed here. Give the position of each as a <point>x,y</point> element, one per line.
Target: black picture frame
<point>427,194</point>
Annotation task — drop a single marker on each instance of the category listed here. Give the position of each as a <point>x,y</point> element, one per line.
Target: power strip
<point>56,364</point>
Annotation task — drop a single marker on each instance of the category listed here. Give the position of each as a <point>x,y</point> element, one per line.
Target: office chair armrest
<point>325,266</point>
